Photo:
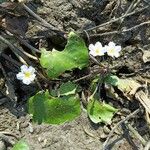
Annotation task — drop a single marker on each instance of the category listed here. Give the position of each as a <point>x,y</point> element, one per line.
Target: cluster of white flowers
<point>27,74</point>
<point>111,49</point>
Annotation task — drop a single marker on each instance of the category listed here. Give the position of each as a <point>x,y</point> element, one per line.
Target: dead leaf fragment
<point>128,87</point>
<point>145,101</point>
<point>146,56</point>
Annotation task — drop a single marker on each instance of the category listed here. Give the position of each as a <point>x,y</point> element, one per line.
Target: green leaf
<point>52,110</point>
<point>112,80</point>
<point>67,88</point>
<point>54,93</point>
<point>75,55</point>
<point>94,83</point>
<point>100,112</point>
<point>21,145</point>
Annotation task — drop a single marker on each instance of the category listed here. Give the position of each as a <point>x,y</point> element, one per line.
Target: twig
<point>95,60</point>
<point>123,31</point>
<point>6,139</point>
<point>128,10</point>
<point>23,41</point>
<point>9,134</point>
<point>146,2</point>
<point>33,49</point>
<point>147,147</point>
<point>46,24</point>
<point>117,19</point>
<point>87,35</point>
<point>29,55</point>
<point>16,51</point>
<point>106,33</point>
<point>132,6</point>
<point>137,26</point>
<point>135,5</point>
<point>92,73</point>
<point>82,78</point>
<point>18,64</point>
<point>117,125</point>
<point>136,134</point>
<point>87,132</point>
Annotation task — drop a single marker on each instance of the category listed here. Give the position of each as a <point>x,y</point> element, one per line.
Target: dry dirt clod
<point>2,145</point>
<point>146,56</point>
<point>6,139</point>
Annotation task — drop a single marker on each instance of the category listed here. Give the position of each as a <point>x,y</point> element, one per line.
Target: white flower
<point>97,49</point>
<point>113,50</point>
<point>27,74</point>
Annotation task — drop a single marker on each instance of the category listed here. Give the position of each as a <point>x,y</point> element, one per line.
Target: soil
<point>80,134</point>
<point>68,136</point>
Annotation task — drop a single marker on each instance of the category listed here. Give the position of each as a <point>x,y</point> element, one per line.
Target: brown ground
<point>81,134</point>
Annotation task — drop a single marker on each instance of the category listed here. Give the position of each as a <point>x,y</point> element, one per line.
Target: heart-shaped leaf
<point>75,55</point>
<point>53,110</point>
<point>100,112</point>
<point>67,88</point>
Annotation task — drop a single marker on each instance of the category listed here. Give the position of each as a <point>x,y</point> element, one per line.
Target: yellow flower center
<point>27,74</point>
<point>111,51</point>
<point>97,51</point>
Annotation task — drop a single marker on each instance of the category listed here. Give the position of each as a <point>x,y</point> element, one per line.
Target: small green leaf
<point>112,80</point>
<point>54,93</point>
<point>21,145</point>
<point>75,55</point>
<point>53,110</point>
<point>100,112</point>
<point>94,83</point>
<point>67,88</point>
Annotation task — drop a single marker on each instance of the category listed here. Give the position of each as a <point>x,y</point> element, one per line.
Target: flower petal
<point>117,54</point>
<point>111,44</point>
<point>20,76</point>
<point>104,49</point>
<point>31,69</point>
<point>26,81</point>
<point>32,77</point>
<point>91,47</point>
<point>24,68</point>
<point>98,45</point>
<point>118,48</point>
<point>110,54</point>
<point>93,53</point>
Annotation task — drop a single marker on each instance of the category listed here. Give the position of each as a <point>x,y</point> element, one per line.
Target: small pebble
<point>31,128</point>
<point>106,130</point>
<point>2,145</point>
<point>103,136</point>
